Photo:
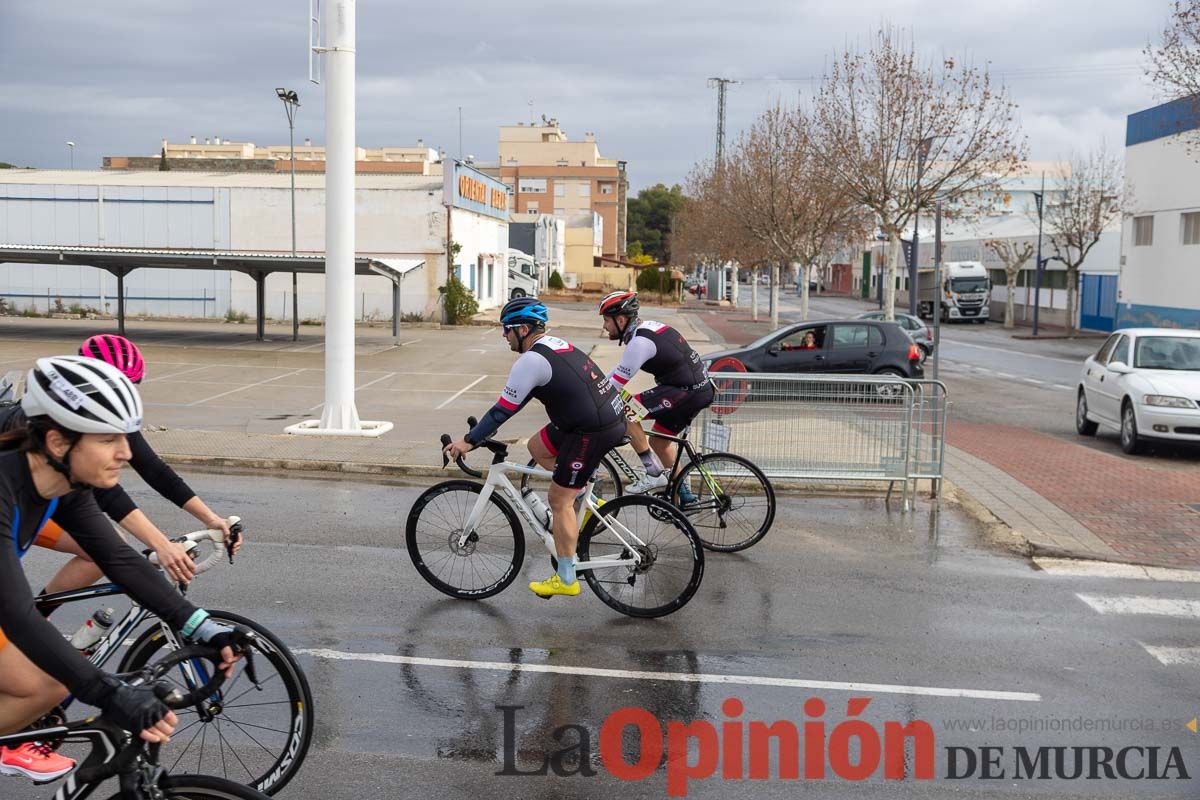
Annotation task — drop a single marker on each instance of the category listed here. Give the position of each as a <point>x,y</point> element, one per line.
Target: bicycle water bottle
<point>93,629</point>
<point>540,511</point>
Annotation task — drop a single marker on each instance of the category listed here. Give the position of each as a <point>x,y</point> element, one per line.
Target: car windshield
<point>1167,352</point>
<point>968,284</point>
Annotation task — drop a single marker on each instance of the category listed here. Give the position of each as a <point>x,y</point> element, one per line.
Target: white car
<point>1144,382</point>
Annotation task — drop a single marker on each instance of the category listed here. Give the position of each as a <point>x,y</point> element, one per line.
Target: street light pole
<point>291,101</point>
<point>1039,198</point>
<point>922,148</point>
<point>71,150</point>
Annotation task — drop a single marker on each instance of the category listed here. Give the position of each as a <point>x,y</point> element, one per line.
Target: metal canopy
<point>120,261</point>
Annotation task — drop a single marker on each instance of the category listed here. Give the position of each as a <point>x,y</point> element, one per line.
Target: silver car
<point>913,326</point>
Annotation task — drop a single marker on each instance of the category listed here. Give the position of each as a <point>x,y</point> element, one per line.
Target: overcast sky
<point>116,77</point>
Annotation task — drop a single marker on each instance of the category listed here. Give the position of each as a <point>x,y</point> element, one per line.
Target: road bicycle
<point>257,734</point>
<point>726,497</point>
<point>639,555</point>
<point>134,762</point>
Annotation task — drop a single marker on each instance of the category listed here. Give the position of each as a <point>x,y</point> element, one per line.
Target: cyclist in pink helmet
<point>118,351</point>
<point>114,501</point>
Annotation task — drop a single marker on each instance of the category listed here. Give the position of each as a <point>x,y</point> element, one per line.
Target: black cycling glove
<point>133,708</point>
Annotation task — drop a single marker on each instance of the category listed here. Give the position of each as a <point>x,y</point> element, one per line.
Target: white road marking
<point>678,677</point>
<point>247,386</point>
<point>360,388</point>
<point>1173,656</point>
<point>460,392</point>
<point>1078,363</point>
<point>411,341</point>
<point>1106,569</point>
<point>1155,606</point>
<point>175,374</point>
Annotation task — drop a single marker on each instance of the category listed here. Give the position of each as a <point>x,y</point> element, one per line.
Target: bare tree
<point>1087,204</point>
<point>1174,65</point>
<point>1013,256</point>
<point>898,133</point>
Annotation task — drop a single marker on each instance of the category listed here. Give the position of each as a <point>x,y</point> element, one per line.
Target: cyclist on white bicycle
<point>79,412</point>
<point>682,387</point>
<point>586,421</point>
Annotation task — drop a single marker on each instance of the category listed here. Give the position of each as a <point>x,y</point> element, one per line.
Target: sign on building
<point>469,189</point>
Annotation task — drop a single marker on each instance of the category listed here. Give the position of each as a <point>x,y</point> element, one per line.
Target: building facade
<point>550,174</point>
<point>1160,238</point>
<point>397,216</point>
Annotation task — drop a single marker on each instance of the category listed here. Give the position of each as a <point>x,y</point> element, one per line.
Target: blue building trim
<point>1133,315</point>
<point>1169,119</point>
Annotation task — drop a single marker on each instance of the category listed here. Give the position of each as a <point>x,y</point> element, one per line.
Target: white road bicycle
<point>640,555</point>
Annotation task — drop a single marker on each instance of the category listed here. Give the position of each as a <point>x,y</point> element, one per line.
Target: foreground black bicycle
<point>134,762</point>
<point>255,732</point>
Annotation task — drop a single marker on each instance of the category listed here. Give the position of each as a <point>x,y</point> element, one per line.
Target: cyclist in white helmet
<point>79,411</point>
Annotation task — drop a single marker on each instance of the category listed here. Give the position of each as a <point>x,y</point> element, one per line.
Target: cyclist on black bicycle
<point>682,388</point>
<point>79,412</point>
<point>586,421</point>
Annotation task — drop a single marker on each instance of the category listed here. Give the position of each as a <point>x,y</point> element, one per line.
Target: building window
<point>532,186</point>
<point>1143,231</point>
<point>1189,227</point>
<point>606,188</point>
<point>560,189</point>
<point>583,189</point>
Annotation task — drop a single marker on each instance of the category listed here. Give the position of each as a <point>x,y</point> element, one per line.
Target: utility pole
<point>291,102</point>
<point>722,84</point>
<point>1040,199</point>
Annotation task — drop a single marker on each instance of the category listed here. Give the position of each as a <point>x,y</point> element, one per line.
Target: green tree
<point>650,216</point>
<point>556,280</point>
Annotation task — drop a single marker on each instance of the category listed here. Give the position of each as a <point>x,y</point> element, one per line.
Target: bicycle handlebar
<point>499,451</point>
<point>191,543</point>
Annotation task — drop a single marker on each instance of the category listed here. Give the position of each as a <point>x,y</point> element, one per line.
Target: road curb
<point>366,469</point>
<point>1029,545</point>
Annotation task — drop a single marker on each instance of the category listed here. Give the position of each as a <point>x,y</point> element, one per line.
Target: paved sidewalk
<point>1072,500</point>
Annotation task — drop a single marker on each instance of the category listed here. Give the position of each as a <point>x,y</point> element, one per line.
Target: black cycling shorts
<point>674,407</point>
<point>577,454</point>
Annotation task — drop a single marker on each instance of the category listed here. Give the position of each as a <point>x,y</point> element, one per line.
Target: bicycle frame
<point>497,479</point>
<point>628,471</point>
<point>71,789</point>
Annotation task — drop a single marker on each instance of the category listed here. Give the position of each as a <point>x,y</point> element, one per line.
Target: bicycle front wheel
<point>253,735</point>
<point>202,787</point>
<point>486,563</point>
<point>732,504</point>
<point>670,559</point>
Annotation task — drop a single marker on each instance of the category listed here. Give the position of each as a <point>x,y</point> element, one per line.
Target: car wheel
<point>516,293</point>
<point>889,390</point>
<point>1083,425</point>
<point>1130,442</point>
<point>925,352</point>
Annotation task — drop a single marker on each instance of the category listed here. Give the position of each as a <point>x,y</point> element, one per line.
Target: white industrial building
<point>1160,272</point>
<point>399,218</point>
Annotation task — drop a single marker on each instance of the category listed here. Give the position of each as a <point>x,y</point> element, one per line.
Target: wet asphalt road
<point>842,590</point>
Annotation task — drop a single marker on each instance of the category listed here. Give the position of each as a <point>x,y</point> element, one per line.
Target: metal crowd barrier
<point>830,428</point>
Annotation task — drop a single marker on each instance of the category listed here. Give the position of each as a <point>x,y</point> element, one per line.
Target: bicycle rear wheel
<point>672,562</point>
<point>203,787</point>
<point>259,737</point>
<point>486,563</point>
<point>738,513</point>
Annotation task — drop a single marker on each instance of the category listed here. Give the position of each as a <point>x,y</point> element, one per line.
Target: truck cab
<point>523,275</point>
<point>965,293</point>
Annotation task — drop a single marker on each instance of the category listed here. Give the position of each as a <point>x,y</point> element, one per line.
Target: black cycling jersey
<point>22,513</point>
<point>153,470</point>
<point>576,393</point>
<point>660,350</point>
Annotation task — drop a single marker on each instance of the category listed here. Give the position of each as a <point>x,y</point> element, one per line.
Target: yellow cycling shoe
<point>552,586</point>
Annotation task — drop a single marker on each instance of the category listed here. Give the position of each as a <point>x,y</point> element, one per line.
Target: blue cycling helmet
<point>525,311</point>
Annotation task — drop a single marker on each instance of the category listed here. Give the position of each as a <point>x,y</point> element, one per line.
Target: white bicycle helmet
<point>83,395</point>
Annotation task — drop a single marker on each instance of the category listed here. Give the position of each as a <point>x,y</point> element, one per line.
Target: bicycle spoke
<point>250,736</point>
<point>188,746</point>
<point>253,688</point>
<point>234,751</point>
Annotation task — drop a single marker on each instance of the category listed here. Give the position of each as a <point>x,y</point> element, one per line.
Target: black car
<point>831,347</point>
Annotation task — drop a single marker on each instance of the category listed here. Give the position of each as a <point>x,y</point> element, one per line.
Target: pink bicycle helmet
<point>117,351</point>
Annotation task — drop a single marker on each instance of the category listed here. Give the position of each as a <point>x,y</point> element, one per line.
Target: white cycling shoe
<point>647,484</point>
